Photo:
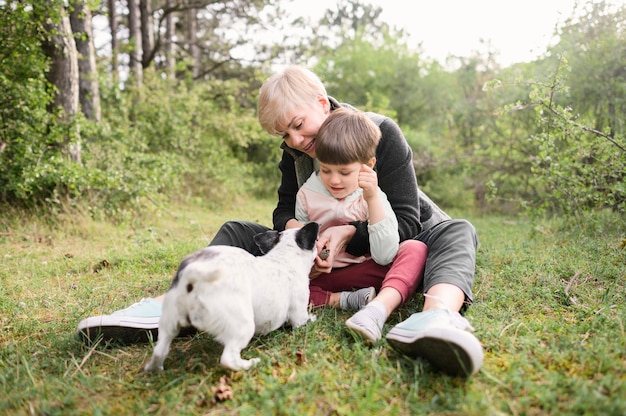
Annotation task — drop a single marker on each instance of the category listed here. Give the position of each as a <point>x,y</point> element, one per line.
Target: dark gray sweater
<point>396,177</point>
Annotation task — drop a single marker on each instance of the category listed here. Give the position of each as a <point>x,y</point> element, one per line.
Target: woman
<point>292,105</point>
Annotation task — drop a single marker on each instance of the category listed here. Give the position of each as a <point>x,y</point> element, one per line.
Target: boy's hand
<point>330,241</point>
<point>368,181</point>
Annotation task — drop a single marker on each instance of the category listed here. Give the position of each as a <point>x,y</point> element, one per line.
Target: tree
<point>595,46</point>
<point>191,33</point>
<point>114,41</point>
<point>60,47</point>
<point>147,32</point>
<point>170,28</point>
<point>365,62</point>
<point>134,41</point>
<point>24,98</point>
<point>89,92</point>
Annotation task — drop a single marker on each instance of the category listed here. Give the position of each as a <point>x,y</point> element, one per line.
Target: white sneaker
<point>137,323</point>
<point>442,338</point>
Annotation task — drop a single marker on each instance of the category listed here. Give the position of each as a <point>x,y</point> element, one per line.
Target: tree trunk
<point>147,35</point>
<point>134,40</point>
<point>192,41</point>
<point>170,28</point>
<point>88,92</point>
<point>114,42</point>
<point>63,74</point>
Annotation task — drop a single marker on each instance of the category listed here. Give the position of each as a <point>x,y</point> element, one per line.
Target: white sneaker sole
<point>363,333</point>
<point>453,351</point>
<point>123,330</point>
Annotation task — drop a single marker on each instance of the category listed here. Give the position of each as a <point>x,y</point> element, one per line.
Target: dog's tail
<point>195,272</point>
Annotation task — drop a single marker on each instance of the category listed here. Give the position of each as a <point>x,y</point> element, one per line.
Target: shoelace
<point>460,322</point>
<point>136,304</point>
<point>456,319</point>
<point>131,307</point>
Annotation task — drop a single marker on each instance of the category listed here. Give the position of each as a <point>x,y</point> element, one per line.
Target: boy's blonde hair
<point>285,92</point>
<point>347,136</point>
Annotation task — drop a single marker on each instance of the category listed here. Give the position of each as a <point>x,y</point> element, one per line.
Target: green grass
<point>549,310</point>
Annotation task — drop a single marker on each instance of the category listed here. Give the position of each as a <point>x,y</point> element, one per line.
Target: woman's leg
<point>451,263</point>
<point>140,321</point>
<point>239,234</point>
<point>439,333</point>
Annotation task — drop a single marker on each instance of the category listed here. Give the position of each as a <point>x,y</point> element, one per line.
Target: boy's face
<point>340,180</point>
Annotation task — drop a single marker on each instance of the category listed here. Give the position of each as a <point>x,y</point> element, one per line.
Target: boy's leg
<point>399,284</point>
<point>354,276</point>
<point>407,270</point>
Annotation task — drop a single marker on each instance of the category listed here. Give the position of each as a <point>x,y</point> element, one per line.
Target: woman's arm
<point>286,206</point>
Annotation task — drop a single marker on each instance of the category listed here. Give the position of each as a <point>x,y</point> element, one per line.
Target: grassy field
<point>549,309</point>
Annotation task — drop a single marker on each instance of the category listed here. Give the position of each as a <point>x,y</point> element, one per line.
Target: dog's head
<point>304,237</point>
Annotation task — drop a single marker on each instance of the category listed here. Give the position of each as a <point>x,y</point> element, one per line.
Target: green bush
<point>162,140</point>
<point>23,100</point>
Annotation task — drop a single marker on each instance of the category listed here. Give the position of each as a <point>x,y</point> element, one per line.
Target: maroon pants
<point>404,274</point>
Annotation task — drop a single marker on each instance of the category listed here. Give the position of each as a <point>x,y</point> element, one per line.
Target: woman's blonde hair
<point>285,92</point>
<point>347,136</point>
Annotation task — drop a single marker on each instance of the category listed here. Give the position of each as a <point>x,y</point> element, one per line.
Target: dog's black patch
<point>267,240</point>
<point>307,236</point>
<point>204,254</point>
<point>189,287</point>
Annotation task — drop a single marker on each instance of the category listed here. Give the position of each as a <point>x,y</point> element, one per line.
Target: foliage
<point>560,165</point>
<point>184,140</point>
<point>579,168</point>
<point>23,97</point>
<point>594,45</point>
<point>482,135</point>
<point>162,139</point>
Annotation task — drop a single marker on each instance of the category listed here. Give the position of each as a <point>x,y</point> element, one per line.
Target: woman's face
<point>303,124</point>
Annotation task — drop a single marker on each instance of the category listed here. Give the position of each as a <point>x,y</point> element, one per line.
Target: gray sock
<point>356,299</point>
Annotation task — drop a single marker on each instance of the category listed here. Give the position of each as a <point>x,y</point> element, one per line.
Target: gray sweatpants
<point>452,246</point>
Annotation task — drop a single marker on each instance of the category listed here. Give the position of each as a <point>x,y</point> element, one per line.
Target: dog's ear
<point>267,240</point>
<point>307,236</point>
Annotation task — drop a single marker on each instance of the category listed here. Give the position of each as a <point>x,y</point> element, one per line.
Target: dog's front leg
<point>299,309</point>
<point>301,317</point>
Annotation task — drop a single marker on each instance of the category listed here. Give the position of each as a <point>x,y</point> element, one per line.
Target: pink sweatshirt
<point>315,203</point>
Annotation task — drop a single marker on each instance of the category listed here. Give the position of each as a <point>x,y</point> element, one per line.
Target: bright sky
<point>519,30</point>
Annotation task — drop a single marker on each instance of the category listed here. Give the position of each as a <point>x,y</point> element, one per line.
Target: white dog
<point>232,295</point>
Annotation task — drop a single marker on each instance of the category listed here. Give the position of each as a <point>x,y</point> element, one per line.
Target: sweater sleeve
<point>285,209</point>
<point>383,236</point>
<point>396,178</point>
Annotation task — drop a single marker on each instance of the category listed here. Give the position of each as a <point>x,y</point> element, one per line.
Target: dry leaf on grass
<point>222,391</point>
<point>300,358</point>
<point>101,265</point>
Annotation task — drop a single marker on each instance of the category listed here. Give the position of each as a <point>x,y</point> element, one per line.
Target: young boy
<point>345,190</point>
